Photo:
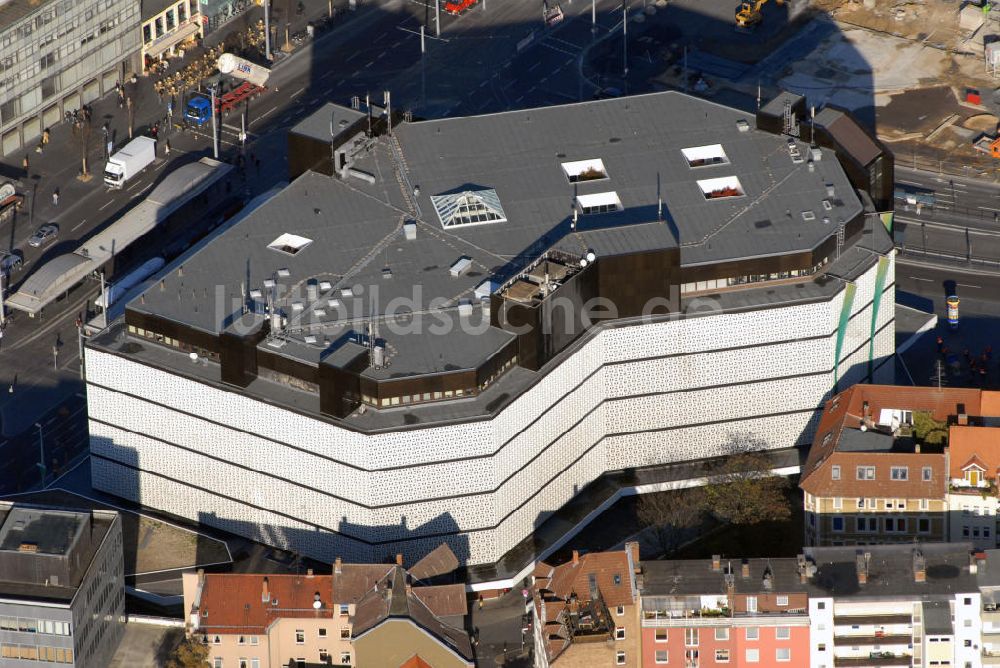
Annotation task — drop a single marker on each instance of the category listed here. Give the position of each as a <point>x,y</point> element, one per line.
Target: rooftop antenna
<point>812,125</point>
<point>368,105</point>
<point>758,94</point>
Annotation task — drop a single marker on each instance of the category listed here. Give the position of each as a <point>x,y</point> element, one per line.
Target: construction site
<point>924,74</point>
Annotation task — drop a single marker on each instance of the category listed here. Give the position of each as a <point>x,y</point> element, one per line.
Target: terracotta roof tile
<point>606,566</point>
<point>415,662</point>
<point>356,580</point>
<point>233,603</point>
<point>980,444</point>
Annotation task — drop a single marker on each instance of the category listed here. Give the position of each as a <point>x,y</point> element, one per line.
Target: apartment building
<point>586,611</point>
<point>701,613</point>
<point>56,56</point>
<point>367,429</point>
<point>62,586</point>
<point>895,605</point>
<point>973,455</point>
<point>362,615</point>
<point>898,464</point>
<point>877,470</point>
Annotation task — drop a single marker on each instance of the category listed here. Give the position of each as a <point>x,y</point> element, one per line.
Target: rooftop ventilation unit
<point>289,244</point>
<point>325,285</point>
<point>347,292</point>
<point>410,230</point>
<point>471,207</point>
<point>256,294</point>
<point>284,273</point>
<point>310,339</point>
<point>742,125</point>
<point>465,308</point>
<point>462,265</point>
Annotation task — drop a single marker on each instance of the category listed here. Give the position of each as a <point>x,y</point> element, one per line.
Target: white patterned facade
<point>630,396</point>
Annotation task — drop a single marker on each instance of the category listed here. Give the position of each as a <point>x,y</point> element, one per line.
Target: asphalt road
<point>962,202</point>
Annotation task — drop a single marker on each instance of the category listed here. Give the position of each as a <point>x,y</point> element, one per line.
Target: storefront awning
<point>160,45</point>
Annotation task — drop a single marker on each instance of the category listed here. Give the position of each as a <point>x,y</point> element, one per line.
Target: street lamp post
<point>215,132</point>
<point>625,36</point>
<point>41,453</point>
<point>267,30</point>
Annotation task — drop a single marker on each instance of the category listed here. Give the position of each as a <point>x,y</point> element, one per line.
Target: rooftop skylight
<point>471,207</point>
<point>727,186</point>
<point>585,170</point>
<point>703,156</point>
<point>289,244</point>
<point>599,203</point>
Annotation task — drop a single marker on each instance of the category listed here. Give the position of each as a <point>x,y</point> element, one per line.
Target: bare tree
<point>746,491</point>
<point>81,130</point>
<point>671,514</point>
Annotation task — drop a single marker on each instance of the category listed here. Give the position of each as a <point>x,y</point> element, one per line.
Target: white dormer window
<point>973,476</point>
<point>585,170</point>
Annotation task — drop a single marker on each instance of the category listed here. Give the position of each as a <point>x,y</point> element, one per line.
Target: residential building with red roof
<point>362,615</point>
<point>586,611</point>
<point>899,464</point>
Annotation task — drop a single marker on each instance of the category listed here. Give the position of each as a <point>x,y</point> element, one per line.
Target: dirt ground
<point>149,544</point>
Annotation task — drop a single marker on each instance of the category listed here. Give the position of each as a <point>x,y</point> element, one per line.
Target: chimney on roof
<point>745,569</point>
<point>805,568</point>
<point>716,563</point>
<point>919,566</point>
<point>399,559</point>
<point>767,580</point>
<point>963,419</point>
<point>730,579</point>
<point>576,557</point>
<point>309,572</point>
<point>338,566</point>
<point>861,560</point>
<point>265,594</point>
<point>976,558</point>
<point>864,409</point>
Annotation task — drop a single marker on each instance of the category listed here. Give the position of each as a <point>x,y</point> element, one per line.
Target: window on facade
<point>345,633</point>
<point>344,609</point>
<point>837,524</point>
<point>722,633</point>
<point>147,33</point>
<point>620,610</point>
<point>218,662</point>
<point>926,473</point>
<point>753,655</point>
<point>660,635</point>
<point>324,656</point>
<point>866,473</point>
<point>620,658</point>
<point>182,12</point>
<point>751,604</point>
<point>691,637</point>
<point>782,633</point>
<point>925,504</point>
<point>782,601</point>
<point>899,472</point>
<point>254,663</point>
<point>159,27</point>
<point>835,472</point>
<point>722,656</point>
<point>782,654</point>
<point>171,20</point>
<point>620,633</point>
<point>244,663</point>
<point>838,503</point>
<point>661,656</point>
<point>752,633</point>
<point>300,637</point>
<point>46,61</point>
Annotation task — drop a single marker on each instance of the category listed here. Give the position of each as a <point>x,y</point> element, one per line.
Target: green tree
<point>191,653</point>
<point>671,515</point>
<point>927,430</point>
<point>745,490</point>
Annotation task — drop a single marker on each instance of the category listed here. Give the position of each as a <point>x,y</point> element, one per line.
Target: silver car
<point>43,235</point>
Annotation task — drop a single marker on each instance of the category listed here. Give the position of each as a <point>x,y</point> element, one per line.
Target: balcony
<point>874,660</point>
<point>872,620</point>
<point>876,639</point>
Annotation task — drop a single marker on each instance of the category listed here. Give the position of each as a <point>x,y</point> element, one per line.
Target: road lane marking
<point>537,63</point>
<point>356,73</point>
<point>79,225</point>
<point>966,285</point>
<point>340,83</point>
<point>484,82</point>
<point>106,204</point>
<point>918,278</point>
<point>370,63</point>
<point>298,92</point>
<point>352,56</point>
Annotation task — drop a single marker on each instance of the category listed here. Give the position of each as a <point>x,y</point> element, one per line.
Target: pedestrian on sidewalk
<point>55,197</point>
<point>45,136</point>
<point>166,147</point>
<point>24,164</point>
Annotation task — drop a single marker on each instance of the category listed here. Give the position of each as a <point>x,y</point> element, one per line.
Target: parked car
<point>43,235</point>
<point>10,261</point>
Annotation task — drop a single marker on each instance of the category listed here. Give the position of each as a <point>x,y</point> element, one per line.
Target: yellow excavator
<point>748,14</point>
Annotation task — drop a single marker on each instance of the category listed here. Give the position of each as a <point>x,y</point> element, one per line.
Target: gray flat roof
<point>890,570</point>
<point>49,531</point>
<point>317,125</point>
<point>692,577</point>
<point>350,233</point>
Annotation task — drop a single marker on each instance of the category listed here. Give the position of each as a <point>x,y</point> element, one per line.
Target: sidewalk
<point>57,167</point>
